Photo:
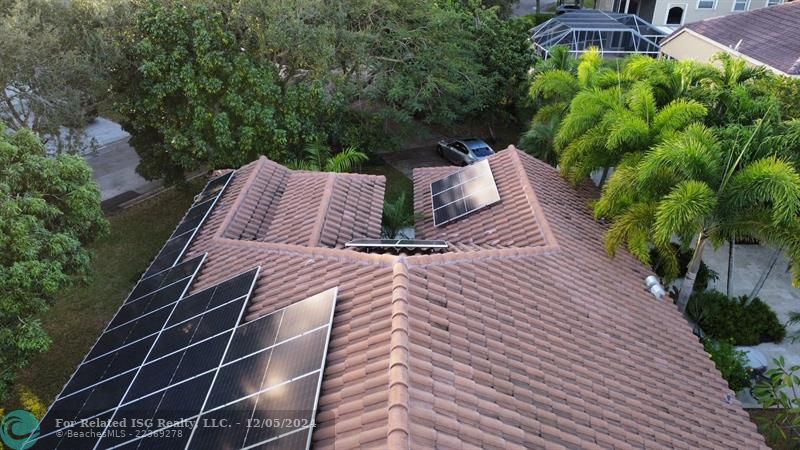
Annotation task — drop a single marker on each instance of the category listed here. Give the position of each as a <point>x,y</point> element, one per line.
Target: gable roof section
<point>560,349</point>
<point>769,35</point>
<point>306,208</point>
<point>514,222</point>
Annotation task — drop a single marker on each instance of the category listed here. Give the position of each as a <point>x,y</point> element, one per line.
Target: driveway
<point>114,170</point>
<point>412,158</point>
<point>114,165</point>
<point>778,293</point>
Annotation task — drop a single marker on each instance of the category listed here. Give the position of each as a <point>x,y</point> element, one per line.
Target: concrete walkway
<point>778,293</point>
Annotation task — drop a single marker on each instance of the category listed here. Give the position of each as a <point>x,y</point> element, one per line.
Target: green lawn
<point>80,314</point>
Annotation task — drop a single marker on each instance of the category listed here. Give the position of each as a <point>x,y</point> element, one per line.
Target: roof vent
<point>654,286</point>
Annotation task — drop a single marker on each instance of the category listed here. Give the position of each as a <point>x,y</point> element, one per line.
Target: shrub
<point>742,321</point>
<point>731,363</point>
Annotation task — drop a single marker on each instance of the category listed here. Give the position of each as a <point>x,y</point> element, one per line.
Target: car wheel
<point>439,150</point>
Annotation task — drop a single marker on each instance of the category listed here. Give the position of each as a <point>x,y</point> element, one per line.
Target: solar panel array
<point>397,244</point>
<point>177,371</point>
<point>463,192</point>
<point>186,230</point>
<point>202,379</point>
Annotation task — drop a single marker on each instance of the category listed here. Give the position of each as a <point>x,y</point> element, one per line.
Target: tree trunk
<point>765,274</point>
<point>603,177</point>
<point>691,273</point>
<point>731,244</point>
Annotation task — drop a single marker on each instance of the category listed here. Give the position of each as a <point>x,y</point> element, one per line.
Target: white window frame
<point>775,2</point>
<point>684,6</point>
<point>713,7</point>
<point>746,6</point>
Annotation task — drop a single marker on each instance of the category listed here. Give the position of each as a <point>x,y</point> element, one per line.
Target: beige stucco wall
<point>689,46</point>
<point>692,14</point>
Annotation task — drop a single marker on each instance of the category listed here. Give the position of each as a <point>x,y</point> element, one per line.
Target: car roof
<point>475,143</point>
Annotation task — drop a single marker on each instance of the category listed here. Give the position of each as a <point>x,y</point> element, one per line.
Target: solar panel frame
<point>329,323</point>
<point>233,329</point>
<point>449,194</point>
<point>206,204</point>
<point>61,395</point>
<point>397,243</point>
<point>317,372</point>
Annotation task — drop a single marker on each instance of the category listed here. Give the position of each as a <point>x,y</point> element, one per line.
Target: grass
<point>80,314</point>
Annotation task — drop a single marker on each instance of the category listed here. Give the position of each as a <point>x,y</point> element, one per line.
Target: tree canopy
<point>700,152</point>
<point>49,211</point>
<point>52,70</point>
<point>219,83</point>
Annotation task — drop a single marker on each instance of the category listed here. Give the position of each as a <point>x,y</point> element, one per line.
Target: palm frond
<point>632,229</point>
<point>683,211</point>
<point>316,154</point>
<point>626,132</point>
<point>769,182</point>
<point>586,111</point>
<point>642,102</point>
<point>691,154</point>
<point>678,114</point>
<point>619,192</point>
<point>554,86</point>
<point>345,160</point>
<point>584,155</point>
<point>589,63</point>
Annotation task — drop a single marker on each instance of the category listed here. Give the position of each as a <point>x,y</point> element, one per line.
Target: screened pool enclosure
<point>614,34</point>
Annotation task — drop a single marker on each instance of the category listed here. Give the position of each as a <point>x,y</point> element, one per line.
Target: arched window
<point>675,15</point>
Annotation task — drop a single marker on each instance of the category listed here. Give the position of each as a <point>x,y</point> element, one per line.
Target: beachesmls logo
<point>19,430</point>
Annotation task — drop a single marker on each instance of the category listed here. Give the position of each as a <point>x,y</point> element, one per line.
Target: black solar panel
<point>186,230</point>
<point>463,192</point>
<point>202,367</point>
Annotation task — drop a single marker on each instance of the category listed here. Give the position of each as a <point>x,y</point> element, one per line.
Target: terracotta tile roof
<point>512,223</point>
<point>527,336</point>
<point>770,35</point>
<point>302,208</point>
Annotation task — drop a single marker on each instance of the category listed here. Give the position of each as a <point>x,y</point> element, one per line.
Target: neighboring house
<point>768,37</point>
<point>524,334</point>
<point>613,34</point>
<point>670,14</point>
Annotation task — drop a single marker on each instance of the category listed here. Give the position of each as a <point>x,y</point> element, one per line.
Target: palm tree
<point>318,157</point>
<point>559,58</point>
<point>555,84</point>
<point>603,125</point>
<point>694,188</point>
<point>397,214</point>
<point>731,92</point>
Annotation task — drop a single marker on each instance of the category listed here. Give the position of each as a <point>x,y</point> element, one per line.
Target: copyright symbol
<point>59,433</point>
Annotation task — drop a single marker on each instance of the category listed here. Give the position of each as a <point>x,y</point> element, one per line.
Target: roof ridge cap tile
<point>398,434</point>
<point>533,199</point>
<point>322,212</point>
<point>474,256</point>
<point>237,202</point>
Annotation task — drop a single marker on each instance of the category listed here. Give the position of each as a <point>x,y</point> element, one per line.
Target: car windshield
<point>482,151</point>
